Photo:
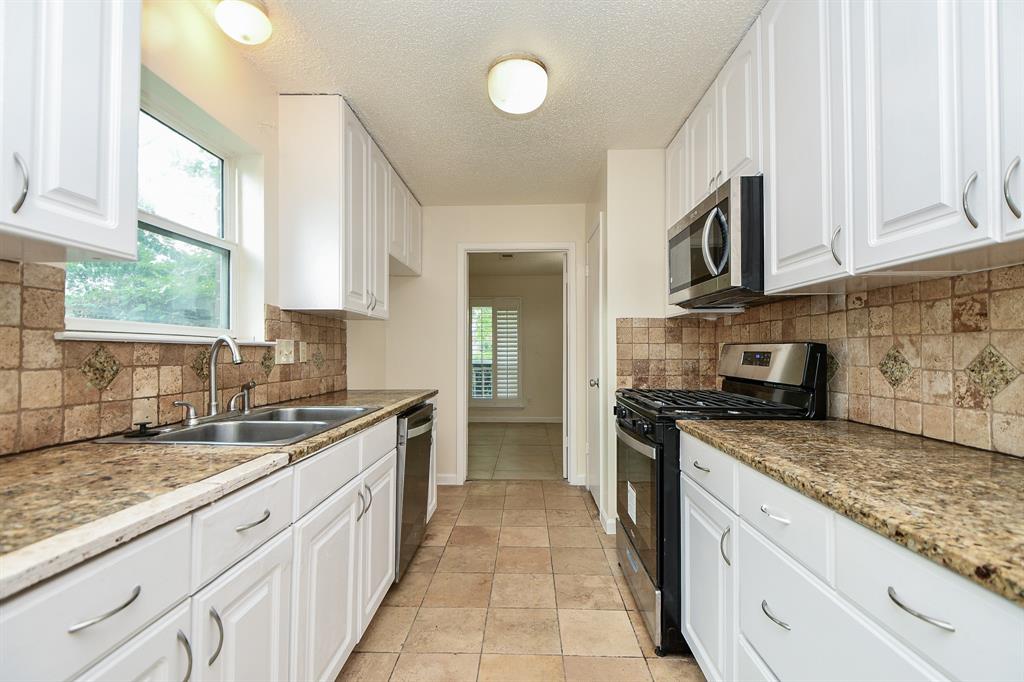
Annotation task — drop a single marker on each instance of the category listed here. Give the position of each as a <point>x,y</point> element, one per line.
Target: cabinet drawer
<point>121,592</point>
<point>988,638</point>
<point>377,442</point>
<point>749,666</point>
<point>232,527</point>
<point>796,523</point>
<point>159,653</point>
<point>321,475</point>
<point>715,471</point>
<point>815,636</point>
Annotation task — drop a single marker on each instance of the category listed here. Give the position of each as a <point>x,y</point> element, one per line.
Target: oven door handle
<point>705,246</point>
<point>638,445</point>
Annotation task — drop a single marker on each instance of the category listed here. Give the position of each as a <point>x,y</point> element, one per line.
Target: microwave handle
<point>705,247</point>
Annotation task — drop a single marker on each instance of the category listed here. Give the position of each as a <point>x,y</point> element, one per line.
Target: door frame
<point>596,449</point>
<point>570,465</point>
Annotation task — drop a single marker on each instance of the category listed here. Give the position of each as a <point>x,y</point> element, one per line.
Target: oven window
<point>686,265</point>
<point>637,498</point>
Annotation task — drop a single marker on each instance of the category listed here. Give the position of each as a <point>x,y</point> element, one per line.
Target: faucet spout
<point>236,358</point>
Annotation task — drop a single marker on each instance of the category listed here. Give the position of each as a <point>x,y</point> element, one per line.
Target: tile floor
<point>515,451</point>
<point>514,581</point>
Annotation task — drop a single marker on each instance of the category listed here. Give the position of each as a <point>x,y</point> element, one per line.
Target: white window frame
<point>495,302</point>
<point>229,242</point>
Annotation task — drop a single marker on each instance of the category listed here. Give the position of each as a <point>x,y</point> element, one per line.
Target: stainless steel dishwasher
<point>415,428</point>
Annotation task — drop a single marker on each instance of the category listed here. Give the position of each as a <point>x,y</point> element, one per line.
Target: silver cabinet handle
<point>721,546</point>
<point>220,629</point>
<point>253,524</point>
<point>1014,208</point>
<point>781,624</point>
<point>362,505</point>
<point>24,183</point>
<point>832,245</point>
<point>369,491</point>
<point>188,654</point>
<point>964,201</point>
<point>948,627</point>
<point>594,383</point>
<point>773,517</point>
<point>136,591</point>
<point>705,469</point>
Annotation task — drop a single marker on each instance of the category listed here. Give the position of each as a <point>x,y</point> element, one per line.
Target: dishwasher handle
<point>420,430</point>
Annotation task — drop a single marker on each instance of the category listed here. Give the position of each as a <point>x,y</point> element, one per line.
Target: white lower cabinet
<point>749,666</point>
<point>160,653</point>
<point>377,530</point>
<point>241,620</point>
<point>709,584</point>
<point>326,612</point>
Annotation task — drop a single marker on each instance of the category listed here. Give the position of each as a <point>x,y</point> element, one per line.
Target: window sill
<point>137,337</point>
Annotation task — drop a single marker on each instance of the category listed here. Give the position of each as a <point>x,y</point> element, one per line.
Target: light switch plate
<point>284,352</point>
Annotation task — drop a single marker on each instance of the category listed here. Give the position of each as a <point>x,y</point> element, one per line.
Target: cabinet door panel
<point>326,610</point>
<point>1011,97</point>
<point>378,527</point>
<point>804,161</point>
<point>157,654</point>
<point>415,223</point>
<point>920,129</point>
<point>399,238</point>
<point>357,236</point>
<point>674,159</point>
<point>379,192</point>
<point>702,146</point>
<point>739,120</point>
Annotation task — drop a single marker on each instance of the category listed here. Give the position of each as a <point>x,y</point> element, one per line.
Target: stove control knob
<point>645,428</point>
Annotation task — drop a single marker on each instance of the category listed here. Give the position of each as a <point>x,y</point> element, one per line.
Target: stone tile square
<point>409,591</point>
<point>458,590</point>
<point>436,668</point>
<point>520,668</point>
<point>523,560</point>
<point>523,488</point>
<point>467,559</point>
<point>568,517</point>
<point>603,669</point>
<point>528,536</point>
<point>425,560</point>
<point>484,502</point>
<point>523,591</point>
<point>597,633</point>
<point>675,669</point>
<point>436,535</point>
<point>643,638</point>
<point>523,517</point>
<point>522,631</point>
<point>451,631</point>
<point>474,488</point>
<point>564,502</point>
<point>388,629</point>
<point>579,561</point>
<point>591,592</point>
<point>533,501</point>
<point>479,517</point>
<point>368,668</point>
<point>474,535</point>
<point>573,536</point>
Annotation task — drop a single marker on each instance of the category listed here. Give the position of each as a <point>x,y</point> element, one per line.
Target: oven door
<point>637,495</point>
<point>699,252</point>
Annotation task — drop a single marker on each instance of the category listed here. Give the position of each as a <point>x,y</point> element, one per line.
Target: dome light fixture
<point>245,21</point>
<point>517,84</point>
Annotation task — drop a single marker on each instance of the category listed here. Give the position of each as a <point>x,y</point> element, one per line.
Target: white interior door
<point>595,323</point>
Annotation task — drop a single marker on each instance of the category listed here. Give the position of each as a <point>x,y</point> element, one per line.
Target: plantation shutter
<point>494,350</point>
<point>506,351</point>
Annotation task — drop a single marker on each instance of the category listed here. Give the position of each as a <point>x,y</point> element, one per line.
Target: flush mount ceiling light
<point>244,20</point>
<point>517,84</point>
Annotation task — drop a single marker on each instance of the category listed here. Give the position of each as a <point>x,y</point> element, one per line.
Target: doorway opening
<point>515,411</point>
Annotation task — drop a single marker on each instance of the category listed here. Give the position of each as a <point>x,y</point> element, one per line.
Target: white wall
<point>540,344</point>
<point>420,337</point>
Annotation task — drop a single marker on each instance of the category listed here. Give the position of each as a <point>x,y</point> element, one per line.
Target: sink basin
<point>243,433</point>
<point>338,415</point>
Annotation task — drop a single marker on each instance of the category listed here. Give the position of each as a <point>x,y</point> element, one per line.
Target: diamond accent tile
<point>832,365</point>
<point>991,371</point>
<point>100,368</point>
<point>318,360</point>
<point>267,361</point>
<point>201,364</point>
<point>895,367</point>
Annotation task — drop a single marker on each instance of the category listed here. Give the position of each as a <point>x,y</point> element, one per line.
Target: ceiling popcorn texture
<point>624,74</point>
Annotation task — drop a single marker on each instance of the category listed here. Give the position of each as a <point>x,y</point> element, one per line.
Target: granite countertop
<point>62,505</point>
<point>960,507</point>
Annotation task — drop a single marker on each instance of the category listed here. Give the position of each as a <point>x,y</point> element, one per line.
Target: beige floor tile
<point>625,593</point>
<point>436,668</point>
<point>484,449</point>
<point>524,488</point>
<point>573,536</point>
<point>528,536</point>
<point>596,633</point>
<point>388,629</point>
<point>480,474</point>
<point>523,560</point>
<point>467,559</point>
<point>520,668</point>
<point>529,475</point>
<point>479,517</point>
<point>579,561</point>
<point>408,592</point>
<point>474,535</point>
<point>564,488</point>
<point>600,669</point>
<point>522,631</point>
<point>484,502</point>
<point>450,503</point>
<point>451,490</point>
<point>523,517</point>
<point>611,555</point>
<point>479,438</point>
<point>607,539</point>
<point>675,669</point>
<point>436,535</point>
<point>525,437</point>
<point>524,502</point>
<point>425,560</point>
<point>567,502</point>
<point>447,631</point>
<point>587,592</point>
<point>567,517</point>
<point>485,488</point>
<point>458,590</point>
<point>522,591</point>
<point>447,517</point>
<point>642,636</point>
<point>368,668</point>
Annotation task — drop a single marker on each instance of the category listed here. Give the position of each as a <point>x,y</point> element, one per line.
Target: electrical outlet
<point>284,352</point>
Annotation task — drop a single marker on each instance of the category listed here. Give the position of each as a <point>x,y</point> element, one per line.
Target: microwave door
<point>690,272</point>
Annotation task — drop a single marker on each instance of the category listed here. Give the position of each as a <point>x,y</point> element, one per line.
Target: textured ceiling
<point>623,75</point>
<point>520,265</point>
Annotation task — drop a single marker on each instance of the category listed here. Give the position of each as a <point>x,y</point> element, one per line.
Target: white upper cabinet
<point>1010,179</point>
<point>804,79</point>
<point>415,236</point>
<point>379,205</point>
<point>921,125</point>
<point>702,171</point>
<point>739,109</point>
<point>69,116</point>
<point>676,203</point>
<point>405,229</point>
<point>356,231</point>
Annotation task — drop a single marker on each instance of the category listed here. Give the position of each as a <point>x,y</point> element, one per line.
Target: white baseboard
<point>608,522</point>
<point>448,479</point>
<point>517,420</point>
<point>578,479</point>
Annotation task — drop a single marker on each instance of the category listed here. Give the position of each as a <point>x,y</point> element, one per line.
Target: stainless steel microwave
<point>716,251</point>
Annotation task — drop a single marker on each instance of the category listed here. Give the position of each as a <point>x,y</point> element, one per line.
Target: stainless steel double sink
<point>263,426</point>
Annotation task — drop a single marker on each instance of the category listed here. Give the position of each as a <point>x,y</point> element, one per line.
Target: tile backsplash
<point>943,358</point>
<point>61,391</point>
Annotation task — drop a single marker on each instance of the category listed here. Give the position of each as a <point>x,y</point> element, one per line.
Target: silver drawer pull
<point>220,629</point>
<point>24,183</point>
<point>1010,203</point>
<point>362,505</point>
<point>965,201</point>
<point>773,517</point>
<point>697,465</point>
<point>948,627</point>
<point>781,624</point>
<point>188,653</point>
<point>369,491</point>
<point>832,245</point>
<point>136,591</point>
<point>253,524</point>
<point>721,546</point>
